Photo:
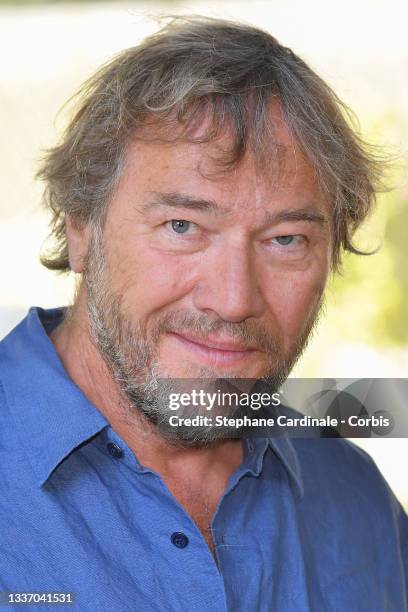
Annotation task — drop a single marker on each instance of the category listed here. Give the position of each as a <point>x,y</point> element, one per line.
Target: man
<point>203,191</point>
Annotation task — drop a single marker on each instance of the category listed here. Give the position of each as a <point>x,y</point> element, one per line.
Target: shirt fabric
<point>304,525</point>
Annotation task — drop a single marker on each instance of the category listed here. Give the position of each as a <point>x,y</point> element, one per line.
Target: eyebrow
<point>178,200</point>
<point>308,213</point>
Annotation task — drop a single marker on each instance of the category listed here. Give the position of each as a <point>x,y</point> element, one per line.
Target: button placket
<point>114,450</point>
<point>179,539</point>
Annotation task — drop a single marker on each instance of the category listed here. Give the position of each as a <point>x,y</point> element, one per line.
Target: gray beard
<point>131,357</point>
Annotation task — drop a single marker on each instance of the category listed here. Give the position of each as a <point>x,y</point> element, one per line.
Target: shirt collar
<point>284,449</point>
<point>51,413</point>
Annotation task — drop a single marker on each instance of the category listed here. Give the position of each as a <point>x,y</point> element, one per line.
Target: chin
<point>199,373</point>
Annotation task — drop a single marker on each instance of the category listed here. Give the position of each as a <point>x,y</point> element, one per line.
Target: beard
<point>130,351</point>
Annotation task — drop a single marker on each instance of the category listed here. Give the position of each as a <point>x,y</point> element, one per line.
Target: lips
<point>216,343</point>
<point>214,350</point>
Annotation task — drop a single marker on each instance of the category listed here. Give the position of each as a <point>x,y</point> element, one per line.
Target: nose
<point>228,285</point>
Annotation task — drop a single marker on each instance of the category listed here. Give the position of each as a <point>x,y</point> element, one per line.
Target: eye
<point>180,226</point>
<point>285,240</point>
<point>181,234</point>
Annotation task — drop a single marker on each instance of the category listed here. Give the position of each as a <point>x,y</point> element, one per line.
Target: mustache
<point>249,332</point>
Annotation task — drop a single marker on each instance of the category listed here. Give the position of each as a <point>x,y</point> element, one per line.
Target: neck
<point>88,370</point>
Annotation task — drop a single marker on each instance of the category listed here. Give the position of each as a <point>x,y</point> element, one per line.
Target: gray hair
<point>231,72</point>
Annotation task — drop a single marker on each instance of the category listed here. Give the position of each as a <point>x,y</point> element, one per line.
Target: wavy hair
<point>231,72</point>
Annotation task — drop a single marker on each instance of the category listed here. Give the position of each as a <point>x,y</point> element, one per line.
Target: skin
<point>229,265</point>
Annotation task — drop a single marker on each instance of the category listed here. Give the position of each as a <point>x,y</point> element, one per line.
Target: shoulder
<point>331,462</point>
<point>336,460</point>
<point>335,456</point>
<point>341,474</point>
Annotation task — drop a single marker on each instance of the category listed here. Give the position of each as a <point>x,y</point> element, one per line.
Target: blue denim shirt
<point>303,525</point>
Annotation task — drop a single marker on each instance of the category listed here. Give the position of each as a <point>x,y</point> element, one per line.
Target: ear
<point>78,241</point>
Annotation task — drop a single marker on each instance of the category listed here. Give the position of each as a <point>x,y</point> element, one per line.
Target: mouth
<point>215,351</point>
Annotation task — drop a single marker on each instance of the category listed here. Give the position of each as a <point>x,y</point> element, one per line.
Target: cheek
<point>292,300</point>
<point>148,280</point>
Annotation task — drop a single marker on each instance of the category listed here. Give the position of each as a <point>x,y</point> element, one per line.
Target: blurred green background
<point>48,49</point>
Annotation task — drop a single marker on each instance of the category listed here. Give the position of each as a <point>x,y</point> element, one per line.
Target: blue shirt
<point>303,525</point>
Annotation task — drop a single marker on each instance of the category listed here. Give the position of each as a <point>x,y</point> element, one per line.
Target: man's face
<point>209,275</point>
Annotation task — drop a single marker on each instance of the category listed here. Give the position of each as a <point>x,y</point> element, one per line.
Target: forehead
<point>157,163</point>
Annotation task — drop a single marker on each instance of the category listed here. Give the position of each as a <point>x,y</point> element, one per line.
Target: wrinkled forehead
<point>200,150</point>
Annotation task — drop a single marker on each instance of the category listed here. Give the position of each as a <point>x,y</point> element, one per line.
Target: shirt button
<point>115,450</point>
<point>179,539</point>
